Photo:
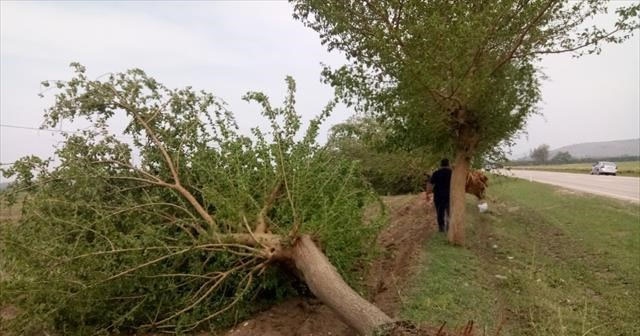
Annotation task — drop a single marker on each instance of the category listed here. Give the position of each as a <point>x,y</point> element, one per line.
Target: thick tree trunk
<point>328,286</point>
<point>457,201</point>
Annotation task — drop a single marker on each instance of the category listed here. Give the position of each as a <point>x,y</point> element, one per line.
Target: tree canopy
<point>540,154</point>
<point>390,171</point>
<point>562,157</point>
<point>442,69</point>
<point>457,76</point>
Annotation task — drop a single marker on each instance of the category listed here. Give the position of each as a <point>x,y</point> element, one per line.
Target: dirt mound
<point>410,223</point>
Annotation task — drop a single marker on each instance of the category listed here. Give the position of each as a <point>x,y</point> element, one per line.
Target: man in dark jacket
<point>441,182</point>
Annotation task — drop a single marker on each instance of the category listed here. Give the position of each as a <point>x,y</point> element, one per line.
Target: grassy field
<point>541,262</point>
<point>629,168</point>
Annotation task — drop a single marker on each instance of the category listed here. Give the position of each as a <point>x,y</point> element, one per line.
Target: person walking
<point>441,185</point>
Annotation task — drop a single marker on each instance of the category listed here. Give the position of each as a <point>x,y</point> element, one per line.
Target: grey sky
<point>233,47</point>
<point>592,98</point>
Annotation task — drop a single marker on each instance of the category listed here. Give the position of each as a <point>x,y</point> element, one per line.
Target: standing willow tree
<point>184,224</point>
<point>457,76</point>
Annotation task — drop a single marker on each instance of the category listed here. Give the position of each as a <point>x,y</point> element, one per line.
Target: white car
<point>604,168</point>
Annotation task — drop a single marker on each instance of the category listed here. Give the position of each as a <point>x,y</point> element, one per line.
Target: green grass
<point>542,261</point>
<point>445,268</point>
<point>628,168</point>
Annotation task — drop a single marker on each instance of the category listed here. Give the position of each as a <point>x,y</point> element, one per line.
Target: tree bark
<point>320,275</point>
<point>329,287</point>
<point>457,201</point>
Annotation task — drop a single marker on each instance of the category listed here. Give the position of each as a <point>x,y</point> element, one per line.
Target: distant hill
<point>603,149</point>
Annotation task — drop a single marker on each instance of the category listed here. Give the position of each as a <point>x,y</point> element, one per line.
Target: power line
<point>37,128</point>
<point>52,130</point>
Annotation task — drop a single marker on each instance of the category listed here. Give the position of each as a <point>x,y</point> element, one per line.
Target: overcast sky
<point>232,47</point>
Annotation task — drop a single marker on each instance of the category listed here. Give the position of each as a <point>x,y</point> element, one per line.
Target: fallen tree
<point>182,223</point>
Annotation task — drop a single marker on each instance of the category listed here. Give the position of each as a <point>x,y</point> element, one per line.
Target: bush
<point>389,172</point>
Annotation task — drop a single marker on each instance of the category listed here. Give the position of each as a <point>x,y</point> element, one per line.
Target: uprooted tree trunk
<point>322,278</point>
<point>317,272</point>
<point>328,286</point>
<point>315,269</point>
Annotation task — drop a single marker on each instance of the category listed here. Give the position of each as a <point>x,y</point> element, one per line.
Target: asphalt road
<point>620,187</point>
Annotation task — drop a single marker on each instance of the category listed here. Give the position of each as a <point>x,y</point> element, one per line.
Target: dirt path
<point>411,221</point>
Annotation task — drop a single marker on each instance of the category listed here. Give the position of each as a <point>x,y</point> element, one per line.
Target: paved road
<point>621,187</point>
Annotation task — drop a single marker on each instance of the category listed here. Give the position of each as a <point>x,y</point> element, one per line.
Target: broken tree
<point>181,222</point>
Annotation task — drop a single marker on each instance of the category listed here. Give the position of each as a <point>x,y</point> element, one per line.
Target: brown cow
<point>477,183</point>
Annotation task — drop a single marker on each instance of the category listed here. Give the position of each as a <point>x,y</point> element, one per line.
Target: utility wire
<point>53,130</point>
<point>45,130</point>
<point>37,129</point>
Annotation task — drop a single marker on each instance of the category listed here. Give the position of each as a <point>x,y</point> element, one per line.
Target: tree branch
<point>134,168</point>
<point>158,144</point>
<point>249,280</point>
<point>476,57</point>
<point>167,158</point>
<point>139,179</point>
<point>262,225</point>
<point>509,55</point>
<point>586,44</point>
<point>199,208</point>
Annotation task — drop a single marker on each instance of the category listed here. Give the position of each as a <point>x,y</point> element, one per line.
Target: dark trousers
<point>442,209</point>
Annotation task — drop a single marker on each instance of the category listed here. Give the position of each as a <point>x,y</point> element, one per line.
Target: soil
<point>411,221</point>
